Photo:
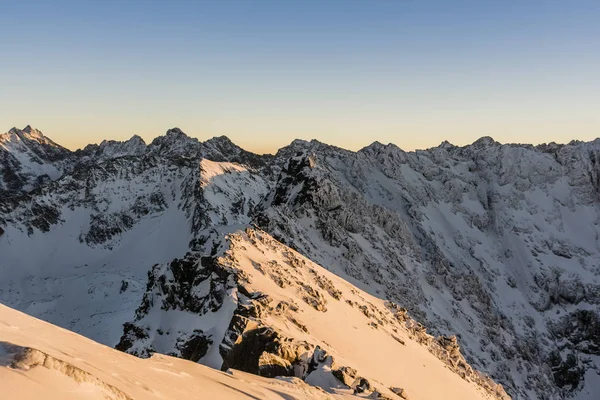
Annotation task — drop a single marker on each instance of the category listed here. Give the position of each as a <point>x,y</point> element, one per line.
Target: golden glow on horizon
<point>268,136</point>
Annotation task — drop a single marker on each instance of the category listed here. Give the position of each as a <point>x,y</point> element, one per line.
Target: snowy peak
<point>28,158</point>
<point>29,129</point>
<point>485,141</point>
<point>29,136</point>
<point>378,149</point>
<point>108,149</point>
<point>32,133</point>
<point>134,141</point>
<point>300,147</point>
<point>222,145</point>
<point>376,146</point>
<point>176,132</point>
<point>446,145</point>
<point>175,143</point>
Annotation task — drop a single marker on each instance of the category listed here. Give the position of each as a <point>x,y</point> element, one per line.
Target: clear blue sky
<point>411,72</point>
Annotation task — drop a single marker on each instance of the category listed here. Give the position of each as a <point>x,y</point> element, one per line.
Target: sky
<point>409,72</point>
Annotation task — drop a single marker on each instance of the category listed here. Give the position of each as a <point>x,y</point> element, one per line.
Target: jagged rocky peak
<point>133,141</point>
<point>134,146</point>
<point>175,143</point>
<point>31,132</point>
<point>26,154</point>
<point>221,140</point>
<point>485,141</point>
<point>221,148</point>
<point>16,132</point>
<point>375,146</point>
<point>301,146</point>
<point>295,148</point>
<point>373,149</point>
<point>175,132</point>
<point>136,139</point>
<point>28,134</point>
<point>10,136</point>
<point>551,147</point>
<point>299,142</point>
<point>28,159</point>
<point>385,153</point>
<point>221,144</point>
<point>446,145</point>
<point>377,149</point>
<point>108,149</point>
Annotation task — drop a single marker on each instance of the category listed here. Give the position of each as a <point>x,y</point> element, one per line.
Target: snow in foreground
<point>39,360</point>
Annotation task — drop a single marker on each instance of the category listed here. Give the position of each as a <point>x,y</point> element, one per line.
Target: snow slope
<point>39,360</point>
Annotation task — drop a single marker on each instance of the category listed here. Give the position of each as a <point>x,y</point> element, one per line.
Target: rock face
<point>495,244</point>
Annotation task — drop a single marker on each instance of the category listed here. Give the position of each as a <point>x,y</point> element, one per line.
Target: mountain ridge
<point>444,143</point>
<point>495,243</point>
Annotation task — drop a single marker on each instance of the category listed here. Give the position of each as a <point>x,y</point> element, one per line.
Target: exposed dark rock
<point>43,216</point>
<point>567,373</point>
<point>582,330</point>
<point>194,347</point>
<point>346,375</point>
<point>131,335</point>
<point>262,351</point>
<point>400,392</point>
<point>363,386</point>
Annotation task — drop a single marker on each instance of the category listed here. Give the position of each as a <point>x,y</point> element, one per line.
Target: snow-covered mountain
<point>147,247</point>
<point>28,158</point>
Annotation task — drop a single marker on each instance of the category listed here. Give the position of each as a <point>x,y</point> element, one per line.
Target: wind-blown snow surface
<point>41,361</point>
<point>495,243</point>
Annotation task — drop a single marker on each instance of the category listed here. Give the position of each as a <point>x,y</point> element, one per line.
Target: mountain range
<point>353,271</point>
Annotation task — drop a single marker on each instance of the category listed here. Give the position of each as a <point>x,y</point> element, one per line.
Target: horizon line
<point>446,141</point>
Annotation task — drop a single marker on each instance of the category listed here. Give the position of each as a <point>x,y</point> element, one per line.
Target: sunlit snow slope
<point>41,361</point>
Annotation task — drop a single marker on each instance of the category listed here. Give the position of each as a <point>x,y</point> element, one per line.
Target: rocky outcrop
<point>262,333</point>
